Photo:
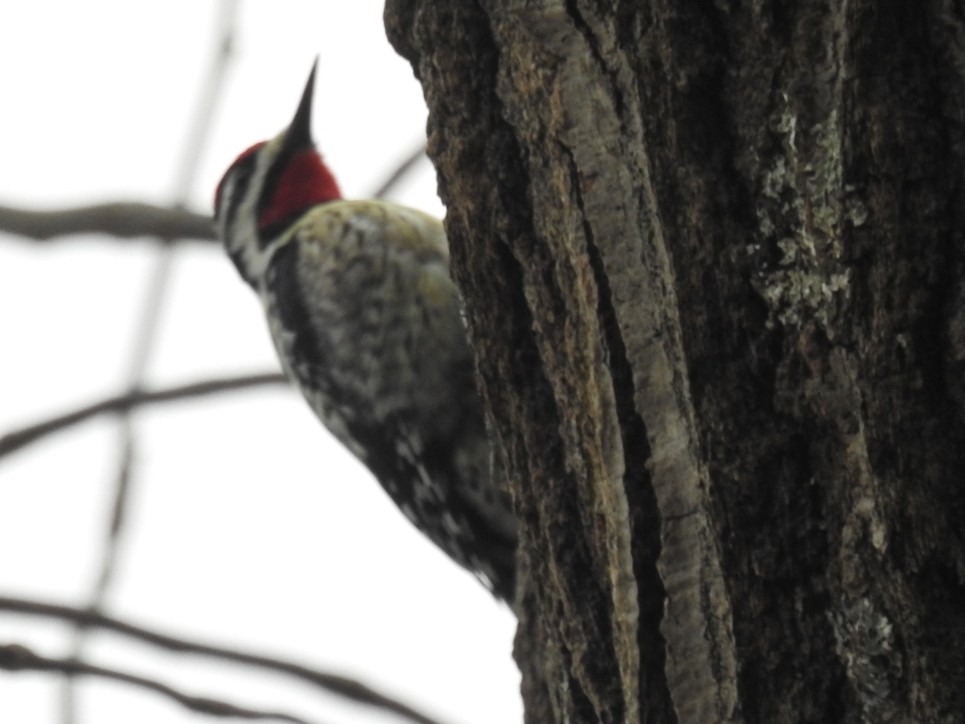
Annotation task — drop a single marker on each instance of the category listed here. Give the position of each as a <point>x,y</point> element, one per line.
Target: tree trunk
<point>711,255</point>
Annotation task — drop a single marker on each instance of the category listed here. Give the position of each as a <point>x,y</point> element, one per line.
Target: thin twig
<point>400,172</point>
<point>17,439</point>
<point>123,219</point>
<point>331,683</point>
<point>147,334</point>
<point>15,657</point>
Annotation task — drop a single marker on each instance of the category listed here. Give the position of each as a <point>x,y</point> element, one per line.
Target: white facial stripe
<point>241,230</point>
<point>226,200</point>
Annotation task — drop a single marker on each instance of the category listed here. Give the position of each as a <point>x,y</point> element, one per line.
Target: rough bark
<point>711,255</point>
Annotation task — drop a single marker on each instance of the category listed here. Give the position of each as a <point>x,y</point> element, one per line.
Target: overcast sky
<point>248,525</point>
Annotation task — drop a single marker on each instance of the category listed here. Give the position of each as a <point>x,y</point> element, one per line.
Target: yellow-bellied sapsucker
<point>367,323</point>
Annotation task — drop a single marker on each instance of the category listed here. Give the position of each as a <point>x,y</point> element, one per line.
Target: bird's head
<point>268,187</point>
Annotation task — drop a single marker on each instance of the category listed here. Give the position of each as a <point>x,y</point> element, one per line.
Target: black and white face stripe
<point>234,186</point>
<point>237,206</point>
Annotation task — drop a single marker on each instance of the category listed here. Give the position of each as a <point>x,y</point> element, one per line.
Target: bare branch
<point>17,439</point>
<point>128,219</point>
<point>146,339</point>
<point>332,683</point>
<point>123,219</point>
<point>14,657</point>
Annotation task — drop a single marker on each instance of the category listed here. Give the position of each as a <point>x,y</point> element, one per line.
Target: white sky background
<point>248,526</point>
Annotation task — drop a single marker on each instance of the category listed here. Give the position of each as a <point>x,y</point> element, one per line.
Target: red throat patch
<point>305,182</point>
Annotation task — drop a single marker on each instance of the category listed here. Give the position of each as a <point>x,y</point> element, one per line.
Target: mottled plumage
<point>366,322</point>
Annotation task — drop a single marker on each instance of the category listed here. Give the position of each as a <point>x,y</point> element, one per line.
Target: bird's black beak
<point>299,133</point>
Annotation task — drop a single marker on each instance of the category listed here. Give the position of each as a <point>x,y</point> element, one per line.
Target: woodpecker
<point>367,324</point>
